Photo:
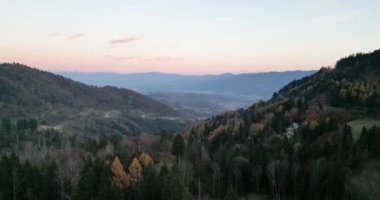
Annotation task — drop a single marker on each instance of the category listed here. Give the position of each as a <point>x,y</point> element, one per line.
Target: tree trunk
<point>14,184</point>
<point>199,188</point>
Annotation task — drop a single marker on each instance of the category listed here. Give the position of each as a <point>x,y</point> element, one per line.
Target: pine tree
<point>173,187</point>
<point>9,167</point>
<point>86,186</point>
<point>50,180</point>
<point>178,147</point>
<point>106,189</point>
<point>150,186</point>
<point>31,181</point>
<point>347,140</point>
<point>231,194</point>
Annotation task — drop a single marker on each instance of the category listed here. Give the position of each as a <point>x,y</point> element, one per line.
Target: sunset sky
<point>185,36</point>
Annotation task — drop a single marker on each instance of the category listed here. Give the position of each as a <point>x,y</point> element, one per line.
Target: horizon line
<point>182,74</point>
<point>165,73</point>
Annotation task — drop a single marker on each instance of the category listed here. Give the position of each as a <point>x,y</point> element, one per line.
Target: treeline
<point>297,145</point>
<point>327,164</point>
<point>9,124</point>
<point>25,180</point>
<point>275,150</point>
<point>99,179</point>
<point>359,63</point>
<point>332,88</point>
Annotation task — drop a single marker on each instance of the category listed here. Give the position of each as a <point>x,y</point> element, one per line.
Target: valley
<point>197,97</point>
<point>190,100</point>
<point>317,137</point>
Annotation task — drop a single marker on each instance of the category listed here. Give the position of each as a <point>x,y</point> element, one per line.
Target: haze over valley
<point>197,97</point>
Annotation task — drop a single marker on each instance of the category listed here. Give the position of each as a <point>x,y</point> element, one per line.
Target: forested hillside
<point>316,138</point>
<point>300,144</point>
<point>60,103</point>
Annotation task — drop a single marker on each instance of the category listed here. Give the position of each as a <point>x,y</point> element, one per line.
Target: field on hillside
<point>357,125</point>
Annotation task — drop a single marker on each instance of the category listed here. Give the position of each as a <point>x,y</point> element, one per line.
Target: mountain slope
<point>302,143</point>
<point>354,82</point>
<point>350,90</point>
<point>58,101</point>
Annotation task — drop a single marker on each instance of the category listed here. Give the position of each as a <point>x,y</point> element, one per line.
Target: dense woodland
<point>61,103</point>
<point>298,145</point>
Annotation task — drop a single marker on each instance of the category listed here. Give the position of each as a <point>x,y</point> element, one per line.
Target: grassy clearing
<point>357,125</point>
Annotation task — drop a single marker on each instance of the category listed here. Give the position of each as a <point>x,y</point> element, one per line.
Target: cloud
<point>125,40</point>
<point>75,36</point>
<point>121,57</point>
<point>163,59</point>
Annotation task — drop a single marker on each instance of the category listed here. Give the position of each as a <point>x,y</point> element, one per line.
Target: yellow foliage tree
<point>135,172</point>
<point>120,178</point>
<point>145,159</point>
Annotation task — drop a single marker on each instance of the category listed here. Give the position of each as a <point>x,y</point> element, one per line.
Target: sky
<point>186,36</point>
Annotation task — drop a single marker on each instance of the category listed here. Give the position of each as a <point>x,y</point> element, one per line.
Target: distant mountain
<point>197,97</point>
<point>260,84</point>
<point>59,102</point>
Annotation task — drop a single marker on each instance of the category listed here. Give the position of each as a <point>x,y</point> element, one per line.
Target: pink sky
<point>185,37</point>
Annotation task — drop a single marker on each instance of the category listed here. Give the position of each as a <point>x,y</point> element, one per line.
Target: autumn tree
<point>135,172</point>
<point>145,159</point>
<point>119,176</point>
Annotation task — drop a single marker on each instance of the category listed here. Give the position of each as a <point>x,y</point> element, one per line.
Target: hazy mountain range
<point>197,96</point>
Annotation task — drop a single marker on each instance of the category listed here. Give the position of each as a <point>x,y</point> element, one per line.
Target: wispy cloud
<point>75,36</point>
<point>121,57</point>
<point>163,59</point>
<point>125,40</point>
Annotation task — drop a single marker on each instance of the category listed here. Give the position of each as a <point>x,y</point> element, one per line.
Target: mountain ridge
<point>52,98</point>
<point>156,80</point>
<point>198,97</point>
<point>318,137</point>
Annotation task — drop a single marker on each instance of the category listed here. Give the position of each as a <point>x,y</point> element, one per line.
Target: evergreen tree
<point>6,124</point>
<point>173,188</point>
<point>178,147</point>
<point>50,189</point>
<point>8,177</point>
<point>347,141</point>
<point>86,186</point>
<point>231,194</point>
<point>150,186</point>
<point>31,182</point>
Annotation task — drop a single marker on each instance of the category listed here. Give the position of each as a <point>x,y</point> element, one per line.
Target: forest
<point>297,145</point>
